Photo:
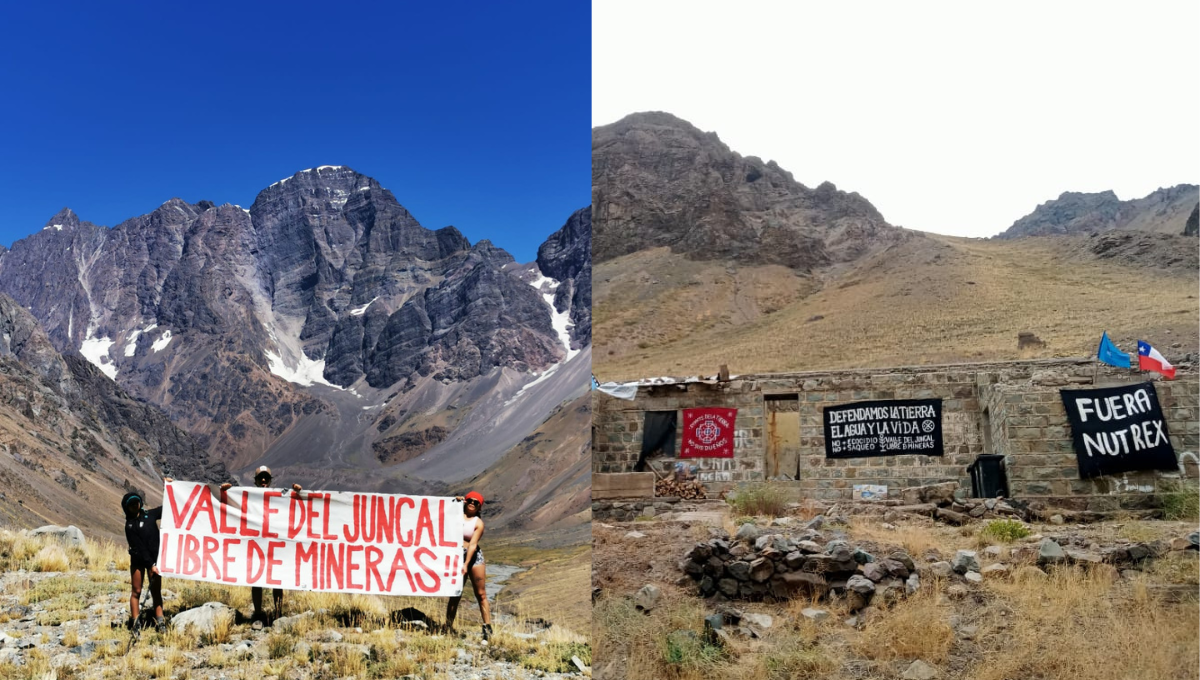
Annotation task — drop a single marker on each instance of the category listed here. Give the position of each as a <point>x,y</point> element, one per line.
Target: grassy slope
<point>935,299</point>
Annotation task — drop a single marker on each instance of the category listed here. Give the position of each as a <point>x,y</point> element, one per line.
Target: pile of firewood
<point>689,489</point>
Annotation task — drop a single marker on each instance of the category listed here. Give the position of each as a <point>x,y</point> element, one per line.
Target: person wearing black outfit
<point>262,478</point>
<point>141,531</point>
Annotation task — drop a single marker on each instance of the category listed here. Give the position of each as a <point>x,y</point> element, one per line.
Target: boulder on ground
<point>203,620</point>
<point>647,598</point>
<point>68,535</point>
<point>964,561</point>
<point>919,670</point>
<point>1050,552</point>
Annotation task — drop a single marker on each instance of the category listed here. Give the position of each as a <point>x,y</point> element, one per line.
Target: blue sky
<point>472,114</point>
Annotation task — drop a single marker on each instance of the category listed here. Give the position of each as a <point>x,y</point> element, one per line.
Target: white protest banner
<point>327,541</point>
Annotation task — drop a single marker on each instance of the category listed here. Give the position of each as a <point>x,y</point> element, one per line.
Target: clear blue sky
<point>472,114</point>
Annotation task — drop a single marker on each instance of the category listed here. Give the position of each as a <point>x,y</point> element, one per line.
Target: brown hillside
<point>929,299</point>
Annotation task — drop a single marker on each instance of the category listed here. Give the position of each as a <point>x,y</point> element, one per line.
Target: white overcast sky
<point>951,117</point>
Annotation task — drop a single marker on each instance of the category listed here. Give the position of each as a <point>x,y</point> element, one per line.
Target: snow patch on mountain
<point>162,342</point>
<point>359,311</point>
<point>131,342</point>
<point>95,350</point>
<point>561,321</point>
<point>306,372</point>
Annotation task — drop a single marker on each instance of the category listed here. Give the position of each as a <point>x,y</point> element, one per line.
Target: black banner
<point>1118,429</point>
<point>884,428</point>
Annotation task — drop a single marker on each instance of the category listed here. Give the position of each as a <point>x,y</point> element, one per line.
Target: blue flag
<point>1109,354</point>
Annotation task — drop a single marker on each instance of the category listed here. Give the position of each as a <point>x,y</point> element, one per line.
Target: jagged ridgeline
<point>322,330</point>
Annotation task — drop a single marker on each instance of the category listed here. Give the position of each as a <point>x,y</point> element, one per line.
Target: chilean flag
<point>1150,360</point>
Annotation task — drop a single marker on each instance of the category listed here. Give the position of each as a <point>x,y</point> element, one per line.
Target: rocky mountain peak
<point>63,219</point>
<point>1164,211</point>
<point>659,181</point>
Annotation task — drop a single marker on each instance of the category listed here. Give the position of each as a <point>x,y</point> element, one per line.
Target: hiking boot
<point>487,632</point>
<point>160,624</point>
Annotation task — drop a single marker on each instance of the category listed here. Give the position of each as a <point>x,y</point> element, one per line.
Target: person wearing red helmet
<point>473,564</point>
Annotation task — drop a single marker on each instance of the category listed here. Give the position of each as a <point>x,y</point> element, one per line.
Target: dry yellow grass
<point>918,628</point>
<point>51,558</point>
<point>914,539</point>
<point>1076,625</point>
<point>935,300</point>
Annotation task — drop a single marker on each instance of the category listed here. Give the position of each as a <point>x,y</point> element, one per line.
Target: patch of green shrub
<point>761,499</point>
<point>1007,530</point>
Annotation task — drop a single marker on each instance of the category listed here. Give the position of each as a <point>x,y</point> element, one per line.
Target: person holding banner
<point>141,532</point>
<point>262,479</point>
<point>473,564</point>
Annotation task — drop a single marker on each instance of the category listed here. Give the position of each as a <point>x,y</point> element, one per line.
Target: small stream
<point>497,574</point>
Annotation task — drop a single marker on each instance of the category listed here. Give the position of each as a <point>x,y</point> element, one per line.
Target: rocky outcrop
<point>406,445</point>
<point>1164,211</point>
<point>659,181</point>
<point>567,257</point>
<point>1192,226</point>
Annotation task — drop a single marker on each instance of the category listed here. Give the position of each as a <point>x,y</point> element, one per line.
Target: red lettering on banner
<point>351,567</point>
<point>178,551</point>
<point>400,564</point>
<point>176,514</point>
<point>191,555</point>
<point>333,565</point>
<point>226,559</point>
<point>243,528</point>
<point>210,546</point>
<point>204,505</point>
<point>294,527</point>
<point>425,523</point>
<point>353,522</point>
<point>325,525</point>
<point>267,512</point>
<point>442,542</point>
<point>369,522</point>
<point>384,526</point>
<point>374,557</point>
<point>432,573</point>
<point>310,555</point>
<point>405,539</point>
<point>225,528</point>
<point>251,575</point>
<point>271,561</point>
<point>165,541</point>
<point>312,514</point>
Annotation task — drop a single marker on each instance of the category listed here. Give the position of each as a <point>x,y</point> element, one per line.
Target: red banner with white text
<point>329,541</point>
<point>708,432</point>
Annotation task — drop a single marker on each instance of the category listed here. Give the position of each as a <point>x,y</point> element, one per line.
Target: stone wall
<point>1029,427</point>
<point>1009,408</point>
<point>618,425</point>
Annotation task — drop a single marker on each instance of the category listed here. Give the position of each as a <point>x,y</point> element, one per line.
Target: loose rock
<point>964,561</point>
<point>1050,552</point>
<point>647,598</point>
<point>919,670</point>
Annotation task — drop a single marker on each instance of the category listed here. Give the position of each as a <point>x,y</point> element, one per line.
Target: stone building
<point>1011,408</point>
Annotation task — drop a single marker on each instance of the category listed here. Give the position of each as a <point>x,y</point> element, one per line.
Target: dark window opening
<point>658,436</point>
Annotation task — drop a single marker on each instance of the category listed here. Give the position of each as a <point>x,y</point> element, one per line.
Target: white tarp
<point>619,390</point>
